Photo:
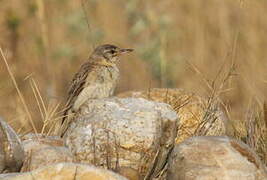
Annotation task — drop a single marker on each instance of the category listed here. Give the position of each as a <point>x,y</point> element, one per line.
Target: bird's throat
<point>103,63</point>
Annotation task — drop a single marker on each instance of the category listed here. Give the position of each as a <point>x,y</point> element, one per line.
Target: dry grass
<point>18,90</point>
<point>174,42</point>
<point>48,113</point>
<point>256,129</point>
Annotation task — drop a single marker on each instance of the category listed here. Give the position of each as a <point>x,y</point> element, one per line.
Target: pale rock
<point>131,133</point>
<point>33,142</point>
<point>44,150</point>
<point>214,157</point>
<point>64,171</point>
<point>197,115</point>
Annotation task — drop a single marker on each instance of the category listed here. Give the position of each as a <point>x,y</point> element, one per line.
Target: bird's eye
<point>112,51</point>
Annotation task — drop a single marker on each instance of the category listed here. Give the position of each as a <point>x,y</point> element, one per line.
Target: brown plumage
<point>97,78</point>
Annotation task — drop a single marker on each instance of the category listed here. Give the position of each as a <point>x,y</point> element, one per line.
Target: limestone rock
<point>211,157</point>
<point>66,171</point>
<point>130,133</point>
<point>197,115</point>
<point>11,151</point>
<point>129,173</point>
<point>42,151</point>
<point>33,142</point>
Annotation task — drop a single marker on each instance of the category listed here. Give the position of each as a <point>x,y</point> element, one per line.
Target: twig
<point>87,21</point>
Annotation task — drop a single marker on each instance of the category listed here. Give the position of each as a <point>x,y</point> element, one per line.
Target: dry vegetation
<point>187,44</point>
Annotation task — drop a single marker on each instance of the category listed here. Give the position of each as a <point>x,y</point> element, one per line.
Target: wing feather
<point>77,84</point>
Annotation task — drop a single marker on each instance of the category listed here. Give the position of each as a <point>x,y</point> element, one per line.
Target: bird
<point>97,78</point>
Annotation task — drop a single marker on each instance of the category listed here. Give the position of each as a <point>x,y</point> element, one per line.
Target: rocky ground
<point>138,135</point>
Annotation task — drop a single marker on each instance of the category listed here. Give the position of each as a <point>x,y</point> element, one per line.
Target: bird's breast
<point>100,83</point>
<point>104,80</point>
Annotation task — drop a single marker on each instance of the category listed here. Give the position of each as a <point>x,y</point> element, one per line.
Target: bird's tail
<point>66,122</point>
<point>61,126</point>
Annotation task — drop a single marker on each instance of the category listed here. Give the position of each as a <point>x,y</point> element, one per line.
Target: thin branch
<point>87,21</point>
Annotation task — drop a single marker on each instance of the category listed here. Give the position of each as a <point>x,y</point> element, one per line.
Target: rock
<point>42,151</point>
<point>129,173</point>
<point>197,115</point>
<point>130,133</point>
<point>66,171</point>
<point>46,156</point>
<point>11,151</point>
<point>214,158</point>
<point>33,142</point>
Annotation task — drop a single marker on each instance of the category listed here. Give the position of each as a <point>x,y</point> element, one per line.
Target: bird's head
<point>108,53</point>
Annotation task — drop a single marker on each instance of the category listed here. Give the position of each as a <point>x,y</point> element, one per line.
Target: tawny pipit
<point>97,78</point>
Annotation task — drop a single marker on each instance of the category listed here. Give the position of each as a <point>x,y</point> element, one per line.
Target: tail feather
<point>61,125</point>
<point>67,117</point>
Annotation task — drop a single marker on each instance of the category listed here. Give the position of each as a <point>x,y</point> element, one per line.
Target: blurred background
<point>178,44</point>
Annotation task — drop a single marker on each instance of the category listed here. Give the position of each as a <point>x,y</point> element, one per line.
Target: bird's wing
<point>78,83</point>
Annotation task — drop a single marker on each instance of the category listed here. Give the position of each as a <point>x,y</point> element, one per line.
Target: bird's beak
<point>123,51</point>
